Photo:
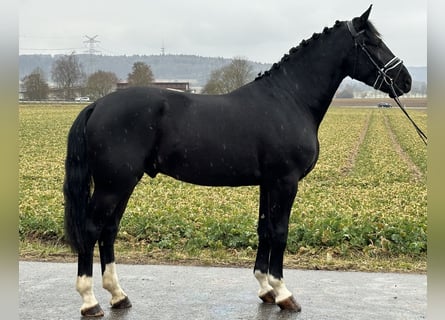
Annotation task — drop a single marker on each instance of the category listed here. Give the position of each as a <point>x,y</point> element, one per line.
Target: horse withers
<point>264,133</point>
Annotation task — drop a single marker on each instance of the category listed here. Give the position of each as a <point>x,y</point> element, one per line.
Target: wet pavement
<point>47,291</point>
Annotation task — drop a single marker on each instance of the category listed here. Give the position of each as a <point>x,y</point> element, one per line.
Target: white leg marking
<point>280,289</point>
<point>265,287</point>
<point>84,286</point>
<point>110,282</point>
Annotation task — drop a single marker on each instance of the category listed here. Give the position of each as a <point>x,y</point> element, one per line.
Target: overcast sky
<point>259,30</point>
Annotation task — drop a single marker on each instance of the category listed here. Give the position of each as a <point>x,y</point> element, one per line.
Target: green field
<point>364,204</point>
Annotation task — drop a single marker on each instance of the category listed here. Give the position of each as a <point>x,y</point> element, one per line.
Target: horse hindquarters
<point>115,176</point>
<point>96,217</point>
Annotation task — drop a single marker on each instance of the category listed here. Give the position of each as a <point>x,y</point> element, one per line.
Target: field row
<point>367,192</point>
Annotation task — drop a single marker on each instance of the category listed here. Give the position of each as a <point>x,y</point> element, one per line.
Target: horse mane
<point>370,29</point>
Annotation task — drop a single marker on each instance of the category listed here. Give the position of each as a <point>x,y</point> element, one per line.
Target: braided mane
<point>370,29</point>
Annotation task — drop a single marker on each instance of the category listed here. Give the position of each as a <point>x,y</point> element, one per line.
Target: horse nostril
<point>408,83</point>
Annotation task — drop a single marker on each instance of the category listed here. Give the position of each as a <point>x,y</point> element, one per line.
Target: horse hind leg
<point>110,281</point>
<point>90,306</point>
<point>105,211</point>
<point>84,283</point>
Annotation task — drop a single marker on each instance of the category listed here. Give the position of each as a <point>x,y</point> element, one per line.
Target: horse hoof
<point>123,304</point>
<point>268,297</point>
<point>95,311</point>
<point>290,304</point>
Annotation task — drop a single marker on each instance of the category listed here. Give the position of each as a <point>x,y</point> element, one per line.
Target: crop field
<point>366,197</point>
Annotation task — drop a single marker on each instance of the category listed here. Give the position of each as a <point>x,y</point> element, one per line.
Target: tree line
<point>70,80</point>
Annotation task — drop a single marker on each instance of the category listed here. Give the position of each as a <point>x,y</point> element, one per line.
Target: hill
<point>192,68</point>
<point>195,69</point>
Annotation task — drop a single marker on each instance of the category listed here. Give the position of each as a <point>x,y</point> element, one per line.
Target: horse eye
<point>376,42</point>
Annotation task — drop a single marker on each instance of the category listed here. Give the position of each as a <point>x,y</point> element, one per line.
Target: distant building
<point>181,86</point>
<point>121,85</point>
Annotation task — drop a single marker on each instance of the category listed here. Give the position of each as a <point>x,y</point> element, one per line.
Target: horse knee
<point>279,240</point>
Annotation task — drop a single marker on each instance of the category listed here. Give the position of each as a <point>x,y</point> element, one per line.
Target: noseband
<point>382,76</point>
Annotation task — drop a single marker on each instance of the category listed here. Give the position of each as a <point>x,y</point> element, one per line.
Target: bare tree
<point>67,73</point>
<point>141,75</point>
<point>230,77</point>
<point>101,83</point>
<point>35,85</point>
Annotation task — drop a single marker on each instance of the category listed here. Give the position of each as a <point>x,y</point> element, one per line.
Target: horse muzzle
<point>393,78</point>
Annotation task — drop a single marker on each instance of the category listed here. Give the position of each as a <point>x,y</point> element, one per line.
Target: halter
<point>383,76</point>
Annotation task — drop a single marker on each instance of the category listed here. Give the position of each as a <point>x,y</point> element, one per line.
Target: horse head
<point>372,62</point>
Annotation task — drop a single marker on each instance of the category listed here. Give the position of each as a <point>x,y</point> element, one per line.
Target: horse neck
<point>313,71</point>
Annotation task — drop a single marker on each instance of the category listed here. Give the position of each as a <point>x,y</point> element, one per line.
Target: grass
<point>363,207</point>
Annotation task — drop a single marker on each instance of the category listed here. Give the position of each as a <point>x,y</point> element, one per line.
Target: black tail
<point>77,185</point>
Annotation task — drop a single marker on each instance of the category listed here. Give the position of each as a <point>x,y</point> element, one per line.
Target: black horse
<point>264,133</point>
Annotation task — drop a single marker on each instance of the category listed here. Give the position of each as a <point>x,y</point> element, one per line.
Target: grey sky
<point>258,30</point>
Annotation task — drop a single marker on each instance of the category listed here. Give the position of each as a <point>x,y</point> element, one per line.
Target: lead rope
<point>421,134</point>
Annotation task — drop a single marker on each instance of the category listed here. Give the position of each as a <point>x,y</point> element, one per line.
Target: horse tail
<point>78,182</point>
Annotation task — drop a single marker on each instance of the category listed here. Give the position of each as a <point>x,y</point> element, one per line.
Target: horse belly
<point>210,167</point>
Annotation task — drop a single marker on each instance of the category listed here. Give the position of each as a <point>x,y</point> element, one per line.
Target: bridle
<point>382,76</point>
<point>382,73</point>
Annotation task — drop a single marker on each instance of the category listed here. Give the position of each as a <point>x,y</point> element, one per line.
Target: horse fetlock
<point>84,286</point>
<point>280,289</point>
<point>110,283</point>
<point>266,291</point>
<point>284,298</point>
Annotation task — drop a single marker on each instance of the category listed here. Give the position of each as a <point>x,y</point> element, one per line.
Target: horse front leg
<point>280,197</point>
<point>266,293</point>
<point>284,298</point>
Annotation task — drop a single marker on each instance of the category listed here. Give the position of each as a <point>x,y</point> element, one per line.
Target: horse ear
<point>360,22</point>
<point>364,17</point>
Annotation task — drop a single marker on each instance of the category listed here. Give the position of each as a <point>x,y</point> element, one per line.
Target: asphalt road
<point>47,291</point>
